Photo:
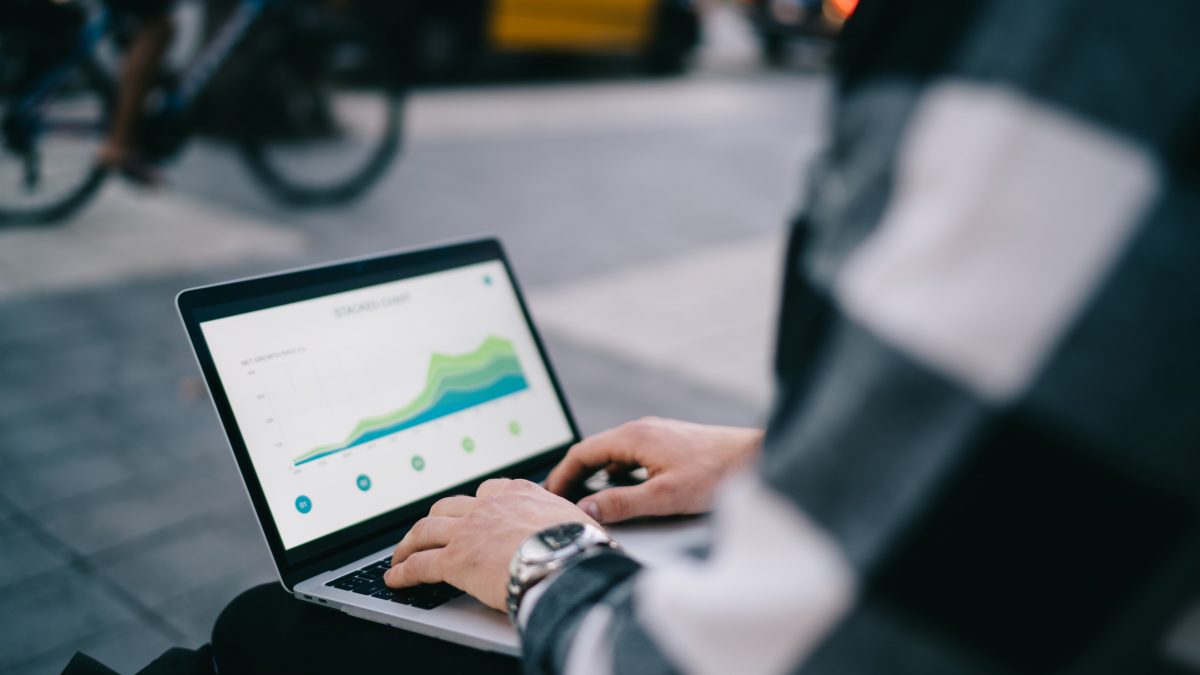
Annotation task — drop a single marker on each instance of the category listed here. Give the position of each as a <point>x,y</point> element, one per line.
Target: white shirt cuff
<point>531,598</point>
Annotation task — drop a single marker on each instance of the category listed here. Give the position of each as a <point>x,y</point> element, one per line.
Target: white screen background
<point>300,376</point>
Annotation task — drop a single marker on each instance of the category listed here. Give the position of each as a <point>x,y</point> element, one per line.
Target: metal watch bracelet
<point>548,551</point>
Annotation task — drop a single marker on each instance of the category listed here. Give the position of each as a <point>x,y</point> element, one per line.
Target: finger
<point>613,505</point>
<point>423,567</point>
<point>614,446</point>
<point>429,532</point>
<point>454,506</point>
<point>493,486</point>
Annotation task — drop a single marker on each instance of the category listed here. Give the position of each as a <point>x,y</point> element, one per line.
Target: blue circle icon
<point>303,504</point>
<point>364,482</point>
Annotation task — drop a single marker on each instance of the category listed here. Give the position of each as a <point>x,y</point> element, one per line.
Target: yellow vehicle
<point>447,35</point>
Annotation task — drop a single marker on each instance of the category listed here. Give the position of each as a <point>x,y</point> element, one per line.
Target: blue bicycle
<point>310,97</point>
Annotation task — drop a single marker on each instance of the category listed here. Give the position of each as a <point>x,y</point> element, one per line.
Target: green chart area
<point>454,382</point>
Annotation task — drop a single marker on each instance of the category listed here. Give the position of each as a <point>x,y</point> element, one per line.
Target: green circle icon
<point>418,462</point>
<point>514,428</point>
<point>468,444</point>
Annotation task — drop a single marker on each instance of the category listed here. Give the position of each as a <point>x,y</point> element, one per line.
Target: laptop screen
<point>359,402</point>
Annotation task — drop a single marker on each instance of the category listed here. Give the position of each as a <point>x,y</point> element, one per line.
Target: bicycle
<point>316,106</point>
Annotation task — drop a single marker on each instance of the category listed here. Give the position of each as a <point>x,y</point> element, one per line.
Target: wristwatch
<point>548,551</point>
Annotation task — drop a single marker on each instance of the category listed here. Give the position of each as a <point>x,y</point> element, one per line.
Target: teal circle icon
<point>418,462</point>
<point>487,280</point>
<point>303,504</point>
<point>364,482</point>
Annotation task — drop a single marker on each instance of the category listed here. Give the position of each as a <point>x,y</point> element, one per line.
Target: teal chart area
<point>453,383</point>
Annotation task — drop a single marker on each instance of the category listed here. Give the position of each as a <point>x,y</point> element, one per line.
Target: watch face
<point>559,537</point>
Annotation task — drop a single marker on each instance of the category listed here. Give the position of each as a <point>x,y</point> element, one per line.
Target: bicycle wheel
<point>48,166</point>
<point>324,113</point>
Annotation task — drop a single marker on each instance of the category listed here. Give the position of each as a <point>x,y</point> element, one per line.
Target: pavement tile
<point>160,407</point>
<point>145,506</point>
<point>46,429</point>
<point>707,316</point>
<point>52,460</point>
<point>604,391</point>
<point>133,354</point>
<point>225,552</point>
<point>79,320</point>
<point>43,617</point>
<point>196,613</point>
<point>126,648</point>
<point>84,467</point>
<point>25,554</point>
<point>96,376</point>
<point>128,235</point>
<point>38,320</point>
<point>102,441</point>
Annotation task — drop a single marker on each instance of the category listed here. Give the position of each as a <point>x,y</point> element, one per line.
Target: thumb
<point>613,505</point>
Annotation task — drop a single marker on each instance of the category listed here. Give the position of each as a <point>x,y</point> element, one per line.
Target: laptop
<point>356,394</point>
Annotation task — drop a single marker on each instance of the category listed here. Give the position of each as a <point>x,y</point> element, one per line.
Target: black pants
<point>265,630</point>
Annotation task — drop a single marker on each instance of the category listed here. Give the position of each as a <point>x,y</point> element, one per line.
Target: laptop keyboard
<point>369,581</point>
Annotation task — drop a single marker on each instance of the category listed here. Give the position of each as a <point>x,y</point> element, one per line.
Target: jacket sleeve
<point>770,586</point>
<point>982,453</point>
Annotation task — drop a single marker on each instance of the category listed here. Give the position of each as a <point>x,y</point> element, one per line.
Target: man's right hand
<point>685,461</point>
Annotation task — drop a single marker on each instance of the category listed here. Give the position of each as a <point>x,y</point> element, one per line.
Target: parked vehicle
<point>445,37</point>
<point>777,22</point>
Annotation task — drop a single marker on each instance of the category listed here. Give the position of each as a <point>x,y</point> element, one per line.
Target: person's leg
<point>265,630</point>
<point>141,66</point>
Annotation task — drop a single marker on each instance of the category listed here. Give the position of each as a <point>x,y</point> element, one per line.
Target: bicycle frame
<point>73,95</point>
<point>201,71</point>
<point>91,34</point>
<point>193,81</point>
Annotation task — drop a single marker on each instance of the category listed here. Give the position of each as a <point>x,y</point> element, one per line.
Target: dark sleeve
<point>987,383</point>
<point>547,636</point>
<point>982,455</point>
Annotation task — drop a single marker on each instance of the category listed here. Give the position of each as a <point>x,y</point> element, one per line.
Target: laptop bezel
<point>197,305</point>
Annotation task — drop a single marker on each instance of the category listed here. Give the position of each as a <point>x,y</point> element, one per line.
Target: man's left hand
<point>469,541</point>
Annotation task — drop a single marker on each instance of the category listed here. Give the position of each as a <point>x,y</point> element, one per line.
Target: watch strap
<point>578,586</point>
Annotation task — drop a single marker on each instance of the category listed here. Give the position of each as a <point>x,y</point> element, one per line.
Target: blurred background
<point>639,158</point>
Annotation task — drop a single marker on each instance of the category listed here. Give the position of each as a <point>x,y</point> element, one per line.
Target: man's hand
<point>685,462</point>
<point>469,541</point>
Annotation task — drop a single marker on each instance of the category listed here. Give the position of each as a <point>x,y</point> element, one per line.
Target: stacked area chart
<point>356,403</point>
<point>454,383</point>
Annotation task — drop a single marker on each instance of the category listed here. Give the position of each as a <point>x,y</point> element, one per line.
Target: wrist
<point>546,553</point>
